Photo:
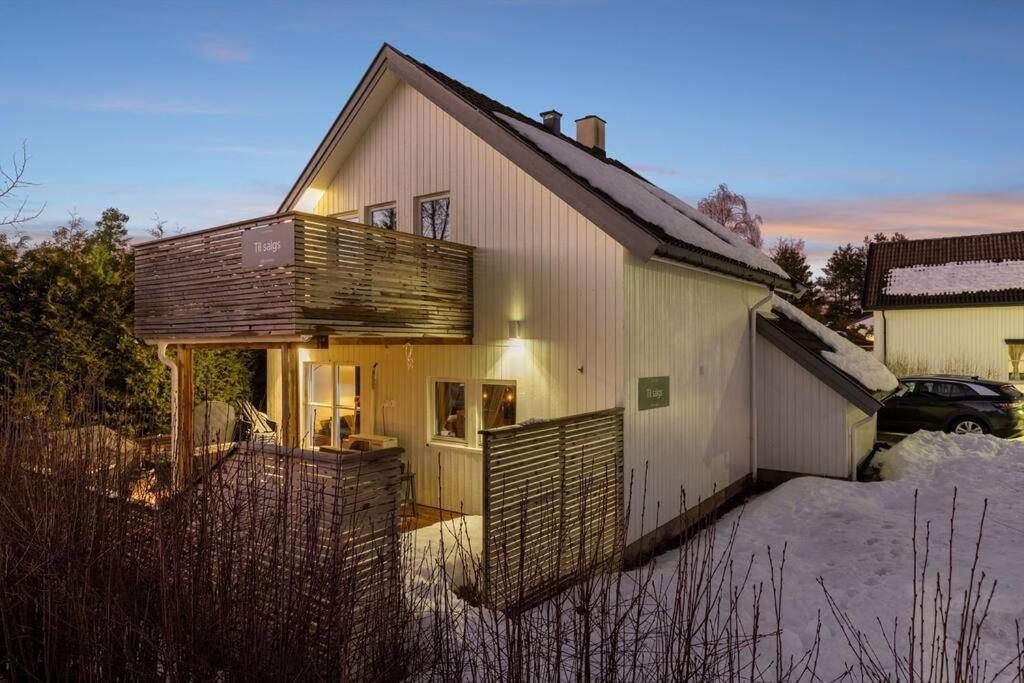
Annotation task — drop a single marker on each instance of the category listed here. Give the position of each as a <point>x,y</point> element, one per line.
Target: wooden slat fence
<point>553,505</point>
<point>298,524</point>
<point>346,279</point>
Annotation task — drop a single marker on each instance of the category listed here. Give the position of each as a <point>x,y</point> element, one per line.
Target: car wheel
<point>968,425</point>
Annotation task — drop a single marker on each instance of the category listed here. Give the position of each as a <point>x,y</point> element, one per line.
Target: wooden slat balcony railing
<point>298,275</point>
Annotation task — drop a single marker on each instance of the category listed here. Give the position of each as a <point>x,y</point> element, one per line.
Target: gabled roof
<point>644,219</point>
<point>969,270</point>
<point>794,336</point>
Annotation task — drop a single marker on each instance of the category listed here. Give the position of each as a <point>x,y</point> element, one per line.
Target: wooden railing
<point>553,505</point>
<point>325,277</point>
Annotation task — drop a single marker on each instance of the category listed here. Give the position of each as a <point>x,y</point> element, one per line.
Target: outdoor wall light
<point>515,329</point>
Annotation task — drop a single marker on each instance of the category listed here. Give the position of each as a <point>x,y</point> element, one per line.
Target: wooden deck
<point>425,516</point>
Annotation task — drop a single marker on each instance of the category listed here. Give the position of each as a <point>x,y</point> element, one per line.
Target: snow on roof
<point>956,278</point>
<point>654,205</point>
<point>847,356</point>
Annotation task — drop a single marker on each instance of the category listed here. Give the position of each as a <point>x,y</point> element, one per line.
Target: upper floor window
<point>384,216</point>
<point>435,219</point>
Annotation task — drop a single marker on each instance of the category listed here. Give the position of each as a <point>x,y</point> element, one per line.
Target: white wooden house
<point>949,305</point>
<point>445,267</point>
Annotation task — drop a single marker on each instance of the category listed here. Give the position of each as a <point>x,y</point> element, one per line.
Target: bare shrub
<point>104,578</point>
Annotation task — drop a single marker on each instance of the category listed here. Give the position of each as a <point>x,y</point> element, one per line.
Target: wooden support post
<point>185,454</point>
<point>290,395</point>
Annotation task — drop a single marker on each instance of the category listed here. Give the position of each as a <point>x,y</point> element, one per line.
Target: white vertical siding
<point>803,426</point>
<point>537,260</point>
<point>801,422</point>
<point>968,340</point>
<point>692,327</point>
<point>866,435</point>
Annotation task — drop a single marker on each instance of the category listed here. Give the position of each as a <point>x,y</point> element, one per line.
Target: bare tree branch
<point>12,183</point>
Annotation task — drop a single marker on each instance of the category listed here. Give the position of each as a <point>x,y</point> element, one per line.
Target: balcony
<point>296,276</point>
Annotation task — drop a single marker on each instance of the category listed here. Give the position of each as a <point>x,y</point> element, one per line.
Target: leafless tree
<point>12,184</point>
<point>730,209</point>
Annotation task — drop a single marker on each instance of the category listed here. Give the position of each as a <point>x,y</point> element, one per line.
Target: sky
<point>834,120</point>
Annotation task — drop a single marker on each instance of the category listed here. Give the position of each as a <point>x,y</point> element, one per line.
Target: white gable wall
<point>966,340</point>
<point>538,261</point>
<point>803,425</point>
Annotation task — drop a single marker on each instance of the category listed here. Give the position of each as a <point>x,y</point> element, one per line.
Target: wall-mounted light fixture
<point>515,329</point>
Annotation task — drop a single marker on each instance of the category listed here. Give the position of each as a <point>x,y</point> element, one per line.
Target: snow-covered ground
<point>460,540</point>
<point>857,538</point>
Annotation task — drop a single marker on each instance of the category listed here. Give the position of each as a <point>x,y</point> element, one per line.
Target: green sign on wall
<point>653,393</point>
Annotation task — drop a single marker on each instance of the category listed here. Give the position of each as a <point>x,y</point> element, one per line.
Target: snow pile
<point>857,538</point>
<point>651,203</point>
<point>845,355</point>
<point>462,542</point>
<point>956,278</point>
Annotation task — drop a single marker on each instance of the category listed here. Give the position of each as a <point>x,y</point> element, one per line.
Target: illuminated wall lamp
<point>515,329</point>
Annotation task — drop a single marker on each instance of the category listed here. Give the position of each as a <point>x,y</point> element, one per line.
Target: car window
<point>1010,391</point>
<point>952,390</point>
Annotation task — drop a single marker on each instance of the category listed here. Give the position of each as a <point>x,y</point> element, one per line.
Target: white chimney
<point>590,132</point>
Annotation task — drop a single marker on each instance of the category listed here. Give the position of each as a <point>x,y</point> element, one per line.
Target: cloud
<point>926,215</point>
<point>144,105</point>
<point>825,224</point>
<point>223,50</point>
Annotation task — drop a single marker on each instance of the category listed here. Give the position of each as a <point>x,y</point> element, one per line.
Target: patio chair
<point>255,425</point>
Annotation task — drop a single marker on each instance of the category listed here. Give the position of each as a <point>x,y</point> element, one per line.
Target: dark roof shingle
<point>883,257</point>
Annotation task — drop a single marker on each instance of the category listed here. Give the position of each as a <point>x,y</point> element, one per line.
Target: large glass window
<point>383,217</point>
<point>450,410</point>
<point>435,220</point>
<point>332,402</point>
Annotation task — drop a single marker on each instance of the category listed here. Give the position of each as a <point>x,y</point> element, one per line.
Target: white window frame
<point>308,404</point>
<point>420,201</point>
<point>378,207</point>
<point>351,216</point>
<point>474,412</point>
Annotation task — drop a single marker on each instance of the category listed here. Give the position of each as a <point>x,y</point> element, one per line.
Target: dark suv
<point>963,405</point>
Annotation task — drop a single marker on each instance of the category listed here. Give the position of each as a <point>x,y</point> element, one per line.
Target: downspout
<point>853,444</point>
<point>161,353</point>
<point>753,381</point>
<point>885,338</point>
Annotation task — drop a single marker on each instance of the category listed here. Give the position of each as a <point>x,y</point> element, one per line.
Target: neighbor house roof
<point>970,270</point>
<point>847,369</point>
<point>645,219</point>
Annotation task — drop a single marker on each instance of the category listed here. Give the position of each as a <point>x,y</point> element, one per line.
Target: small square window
<point>450,410</point>
<point>435,219</point>
<point>383,217</point>
<point>498,403</point>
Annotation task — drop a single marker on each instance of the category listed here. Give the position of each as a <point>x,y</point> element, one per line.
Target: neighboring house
<point>512,273</point>
<point>949,305</point>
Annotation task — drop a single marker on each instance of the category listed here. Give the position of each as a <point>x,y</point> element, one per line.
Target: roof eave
<point>707,262</point>
<point>854,392</point>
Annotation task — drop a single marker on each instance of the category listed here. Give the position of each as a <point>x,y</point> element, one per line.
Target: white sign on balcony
<point>269,246</point>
